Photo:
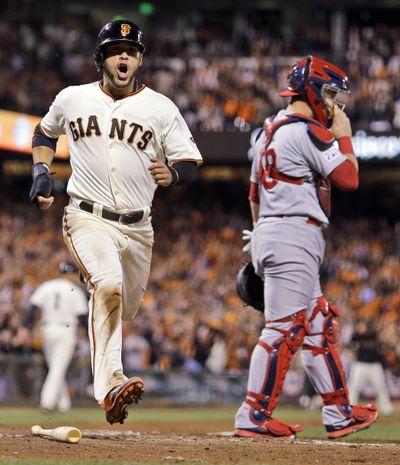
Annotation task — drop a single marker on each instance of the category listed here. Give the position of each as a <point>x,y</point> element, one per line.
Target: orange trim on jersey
<point>76,256</point>
<point>43,131</point>
<point>127,95</point>
<point>93,333</point>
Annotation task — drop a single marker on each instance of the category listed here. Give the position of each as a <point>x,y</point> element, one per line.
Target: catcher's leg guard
<point>325,369</point>
<point>269,364</point>
<point>321,341</point>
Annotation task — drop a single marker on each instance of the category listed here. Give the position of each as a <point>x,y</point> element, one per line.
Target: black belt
<point>124,218</point>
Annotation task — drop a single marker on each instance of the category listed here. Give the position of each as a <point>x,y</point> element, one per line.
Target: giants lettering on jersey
<point>119,129</point>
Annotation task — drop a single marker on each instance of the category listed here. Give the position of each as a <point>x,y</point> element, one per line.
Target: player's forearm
<point>255,209</point>
<point>43,146</point>
<point>41,154</point>
<point>41,183</point>
<point>254,201</point>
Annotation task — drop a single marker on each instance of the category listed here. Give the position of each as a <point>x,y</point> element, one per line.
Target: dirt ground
<point>189,443</point>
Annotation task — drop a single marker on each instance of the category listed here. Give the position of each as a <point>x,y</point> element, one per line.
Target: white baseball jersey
<point>294,155</point>
<point>116,139</point>
<point>60,301</point>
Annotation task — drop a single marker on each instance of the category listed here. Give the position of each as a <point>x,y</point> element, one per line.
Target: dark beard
<point>110,76</point>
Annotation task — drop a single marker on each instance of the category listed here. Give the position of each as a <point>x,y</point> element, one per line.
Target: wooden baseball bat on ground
<point>62,433</point>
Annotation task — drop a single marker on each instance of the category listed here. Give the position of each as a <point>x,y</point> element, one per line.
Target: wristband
<point>40,168</point>
<point>183,172</point>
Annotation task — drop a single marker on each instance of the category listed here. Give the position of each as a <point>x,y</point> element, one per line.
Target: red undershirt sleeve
<point>253,194</point>
<point>345,176</point>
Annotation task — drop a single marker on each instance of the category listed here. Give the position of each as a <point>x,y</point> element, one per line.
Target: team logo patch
<point>125,29</point>
<point>331,154</point>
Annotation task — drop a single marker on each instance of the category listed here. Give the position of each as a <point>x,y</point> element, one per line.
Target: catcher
<point>295,161</point>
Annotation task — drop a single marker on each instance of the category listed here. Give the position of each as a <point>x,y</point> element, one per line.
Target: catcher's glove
<point>250,287</point>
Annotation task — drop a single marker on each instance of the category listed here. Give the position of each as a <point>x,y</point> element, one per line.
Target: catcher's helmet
<point>315,80</point>
<point>116,31</point>
<point>250,287</point>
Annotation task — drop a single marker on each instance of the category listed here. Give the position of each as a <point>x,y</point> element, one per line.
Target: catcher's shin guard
<point>327,348</point>
<point>326,372</point>
<point>281,351</point>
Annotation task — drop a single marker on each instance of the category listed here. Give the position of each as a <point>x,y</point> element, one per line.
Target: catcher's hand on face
<point>160,172</point>
<point>341,126</point>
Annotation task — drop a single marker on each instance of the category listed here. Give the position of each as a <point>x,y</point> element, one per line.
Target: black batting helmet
<point>116,31</point>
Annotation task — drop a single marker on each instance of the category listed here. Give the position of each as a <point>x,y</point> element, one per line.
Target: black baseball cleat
<point>118,400</point>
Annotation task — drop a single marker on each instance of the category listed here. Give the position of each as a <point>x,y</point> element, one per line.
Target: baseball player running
<point>295,160</point>
<point>61,302</point>
<point>125,140</point>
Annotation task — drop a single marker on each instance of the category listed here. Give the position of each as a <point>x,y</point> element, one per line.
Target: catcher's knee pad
<point>329,331</point>
<point>280,352</point>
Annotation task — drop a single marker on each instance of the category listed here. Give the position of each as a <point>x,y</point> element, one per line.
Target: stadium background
<point>222,63</point>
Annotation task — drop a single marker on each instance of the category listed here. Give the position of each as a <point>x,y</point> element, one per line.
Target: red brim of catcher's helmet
<point>288,93</point>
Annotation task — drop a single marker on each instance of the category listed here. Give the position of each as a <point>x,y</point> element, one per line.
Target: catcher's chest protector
<point>321,137</point>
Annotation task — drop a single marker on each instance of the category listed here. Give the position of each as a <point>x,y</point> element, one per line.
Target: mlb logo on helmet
<point>115,31</point>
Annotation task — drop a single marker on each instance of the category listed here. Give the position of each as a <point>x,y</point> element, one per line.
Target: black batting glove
<point>41,182</point>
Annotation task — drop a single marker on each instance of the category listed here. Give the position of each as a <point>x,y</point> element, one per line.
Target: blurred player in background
<point>63,305</point>
<point>367,365</point>
<point>295,160</point>
<point>125,140</point>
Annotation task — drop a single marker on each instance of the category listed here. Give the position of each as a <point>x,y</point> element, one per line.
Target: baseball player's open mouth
<point>122,71</point>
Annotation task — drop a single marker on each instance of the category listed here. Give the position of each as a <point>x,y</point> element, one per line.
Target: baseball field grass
<point>166,424</point>
<point>387,429</point>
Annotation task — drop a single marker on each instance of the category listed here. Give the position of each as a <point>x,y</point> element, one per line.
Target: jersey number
<point>267,162</point>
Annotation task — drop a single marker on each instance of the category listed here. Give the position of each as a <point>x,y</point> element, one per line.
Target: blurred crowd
<point>223,75</point>
<point>191,319</point>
